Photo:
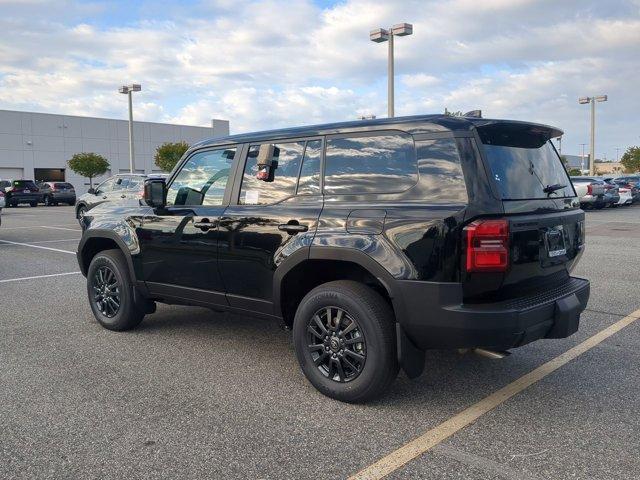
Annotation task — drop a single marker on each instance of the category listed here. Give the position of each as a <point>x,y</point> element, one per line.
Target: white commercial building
<point>37,146</point>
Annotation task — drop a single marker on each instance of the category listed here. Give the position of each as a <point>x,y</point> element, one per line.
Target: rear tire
<point>33,204</point>
<point>328,354</point>
<point>110,292</point>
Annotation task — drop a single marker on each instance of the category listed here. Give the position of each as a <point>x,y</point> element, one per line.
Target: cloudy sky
<point>266,64</point>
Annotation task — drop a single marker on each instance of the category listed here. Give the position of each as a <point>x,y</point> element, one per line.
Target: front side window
<point>106,186</point>
<point>383,163</point>
<point>202,179</point>
<point>271,172</point>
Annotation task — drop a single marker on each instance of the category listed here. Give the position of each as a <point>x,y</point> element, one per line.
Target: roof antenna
<point>474,114</point>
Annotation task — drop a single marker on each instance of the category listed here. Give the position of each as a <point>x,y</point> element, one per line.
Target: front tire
<point>344,340</point>
<point>80,213</point>
<point>110,292</point>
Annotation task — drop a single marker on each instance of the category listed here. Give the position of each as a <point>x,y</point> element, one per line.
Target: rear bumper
<point>434,317</point>
<point>593,200</point>
<point>24,198</point>
<point>64,197</point>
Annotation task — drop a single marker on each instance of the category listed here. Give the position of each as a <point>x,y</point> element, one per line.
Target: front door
<point>273,213</point>
<point>179,243</point>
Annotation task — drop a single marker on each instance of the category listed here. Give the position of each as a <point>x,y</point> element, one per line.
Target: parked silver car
<point>126,188</point>
<point>591,192</point>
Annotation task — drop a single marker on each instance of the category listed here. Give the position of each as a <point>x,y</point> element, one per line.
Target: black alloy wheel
<point>106,291</point>
<point>344,338</point>
<point>336,344</point>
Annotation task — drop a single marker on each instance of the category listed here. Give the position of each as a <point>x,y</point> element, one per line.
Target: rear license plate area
<point>555,242</point>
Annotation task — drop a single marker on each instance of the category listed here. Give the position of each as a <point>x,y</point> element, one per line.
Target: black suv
<point>20,191</point>
<point>373,240</point>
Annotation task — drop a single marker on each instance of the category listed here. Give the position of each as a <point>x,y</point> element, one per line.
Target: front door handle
<point>292,227</point>
<point>123,196</point>
<point>204,224</point>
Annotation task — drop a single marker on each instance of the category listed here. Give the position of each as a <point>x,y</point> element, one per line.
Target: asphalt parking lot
<point>197,394</point>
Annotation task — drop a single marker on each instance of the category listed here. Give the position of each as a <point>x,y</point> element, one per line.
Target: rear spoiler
<point>515,134</point>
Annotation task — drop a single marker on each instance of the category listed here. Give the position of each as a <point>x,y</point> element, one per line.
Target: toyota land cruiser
<point>373,240</point>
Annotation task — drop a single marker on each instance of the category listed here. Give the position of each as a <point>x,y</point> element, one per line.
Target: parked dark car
<point>611,193</point>
<point>345,233</point>
<point>20,191</point>
<point>54,193</point>
<point>126,188</point>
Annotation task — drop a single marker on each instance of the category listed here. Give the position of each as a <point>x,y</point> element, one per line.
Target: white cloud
<point>285,62</point>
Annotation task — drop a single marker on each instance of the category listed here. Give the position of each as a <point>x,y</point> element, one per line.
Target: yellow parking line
<point>433,437</point>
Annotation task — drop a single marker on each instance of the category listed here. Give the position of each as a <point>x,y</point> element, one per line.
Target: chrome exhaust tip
<point>494,355</point>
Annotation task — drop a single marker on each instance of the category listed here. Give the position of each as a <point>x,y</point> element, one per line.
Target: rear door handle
<point>205,224</point>
<point>123,196</point>
<point>292,228</point>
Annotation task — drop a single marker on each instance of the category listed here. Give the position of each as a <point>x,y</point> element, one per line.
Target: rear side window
<point>384,163</point>
<point>524,164</point>
<point>441,171</point>
<point>271,172</point>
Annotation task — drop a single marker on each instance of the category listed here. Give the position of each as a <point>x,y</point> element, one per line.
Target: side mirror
<point>155,192</point>
<point>91,191</point>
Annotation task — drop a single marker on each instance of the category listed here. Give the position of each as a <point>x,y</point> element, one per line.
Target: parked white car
<point>2,200</point>
<point>626,197</point>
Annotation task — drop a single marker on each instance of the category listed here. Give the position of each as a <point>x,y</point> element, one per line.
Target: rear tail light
<point>589,189</point>
<point>1,194</point>
<point>487,246</point>
<point>141,193</point>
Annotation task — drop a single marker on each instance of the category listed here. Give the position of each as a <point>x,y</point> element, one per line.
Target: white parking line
<point>38,276</point>
<point>50,241</point>
<point>41,226</point>
<point>63,228</point>
<point>38,246</point>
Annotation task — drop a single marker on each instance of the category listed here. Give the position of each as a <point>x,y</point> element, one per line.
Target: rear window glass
<point>383,163</point>
<point>63,185</point>
<point>525,165</point>
<point>24,184</point>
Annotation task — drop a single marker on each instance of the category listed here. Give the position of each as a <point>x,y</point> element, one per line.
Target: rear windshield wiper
<point>553,188</point>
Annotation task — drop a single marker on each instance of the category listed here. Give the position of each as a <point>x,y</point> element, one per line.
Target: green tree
<point>88,165</point>
<point>575,172</point>
<point>168,154</point>
<point>631,160</point>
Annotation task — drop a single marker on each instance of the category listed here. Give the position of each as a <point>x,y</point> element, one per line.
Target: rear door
<point>546,225</point>
<point>273,213</point>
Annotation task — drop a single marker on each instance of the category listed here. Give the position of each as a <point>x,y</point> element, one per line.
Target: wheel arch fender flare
<point>90,237</point>
<point>343,254</point>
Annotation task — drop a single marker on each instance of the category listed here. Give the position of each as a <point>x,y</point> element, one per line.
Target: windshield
<point>528,171</point>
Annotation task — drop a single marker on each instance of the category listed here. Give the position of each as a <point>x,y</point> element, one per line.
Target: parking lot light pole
<point>582,159</point>
<point>592,101</point>
<point>380,35</point>
<point>128,90</point>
